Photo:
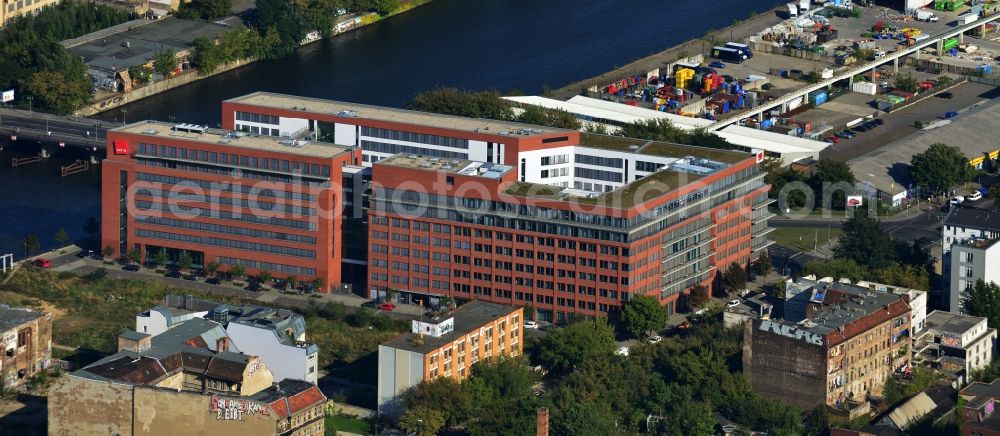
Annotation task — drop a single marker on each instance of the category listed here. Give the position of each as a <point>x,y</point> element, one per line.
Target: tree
<point>237,271</point>
<point>390,294</point>
<point>165,62</point>
<point>834,180</point>
<point>549,117</point>
<point>60,91</point>
<point>207,55</point>
<point>446,302</point>
<point>762,266</point>
<point>133,255</point>
<point>161,259</point>
<point>698,296</point>
<point>62,237</point>
<point>941,168</point>
<point>836,268</point>
<point>906,82</point>
<point>92,228</point>
<point>212,267</point>
<point>422,420</point>
<point>264,276</point>
<point>864,241</point>
<point>108,251</point>
<point>30,244</point>
<point>291,280</point>
<point>589,418</point>
<point>452,101</point>
<point>443,394</point>
<point>318,283</point>
<point>185,261</point>
<point>994,192</point>
<point>288,20</point>
<point>643,314</point>
<point>818,421</point>
<point>907,276</point>
<point>385,7</point>
<point>563,349</point>
<point>984,300</point>
<point>734,278</point>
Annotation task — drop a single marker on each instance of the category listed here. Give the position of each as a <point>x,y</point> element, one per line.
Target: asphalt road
<point>34,125</point>
<point>899,124</point>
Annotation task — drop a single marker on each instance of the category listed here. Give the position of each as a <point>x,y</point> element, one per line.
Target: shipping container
<point>793,10</point>
<point>967,18</point>
<point>868,88</point>
<point>728,54</point>
<point>950,43</point>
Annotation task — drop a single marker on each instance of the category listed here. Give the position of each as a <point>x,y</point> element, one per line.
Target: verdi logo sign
<point>791,332</point>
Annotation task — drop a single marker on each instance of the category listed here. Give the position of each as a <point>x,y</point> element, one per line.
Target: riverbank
<point>700,45</point>
<point>110,101</point>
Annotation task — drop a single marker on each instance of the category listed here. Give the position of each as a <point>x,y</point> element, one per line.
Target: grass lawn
<point>804,238</point>
<point>346,423</point>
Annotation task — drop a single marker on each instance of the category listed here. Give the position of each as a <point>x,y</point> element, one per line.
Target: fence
<point>347,409</point>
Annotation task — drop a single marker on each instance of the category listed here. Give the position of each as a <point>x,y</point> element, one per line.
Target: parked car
<point>871,124</point>
<point>655,340</point>
<point>957,200</point>
<point>622,351</point>
<point>861,128</point>
<point>213,281</point>
<point>733,303</point>
<point>173,274</point>
<point>388,307</point>
<point>846,134</point>
<point>946,95</point>
<point>950,114</point>
<point>684,325</point>
<point>717,64</point>
<point>370,304</point>
<point>530,325</point>
<point>878,121</point>
<point>42,262</point>
<point>131,267</point>
<point>191,277</point>
<point>833,139</point>
<point>974,196</point>
<point>254,287</point>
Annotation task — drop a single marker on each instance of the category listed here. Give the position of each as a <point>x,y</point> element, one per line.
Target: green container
<point>950,43</point>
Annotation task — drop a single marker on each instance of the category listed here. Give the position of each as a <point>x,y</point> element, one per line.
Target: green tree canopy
<point>864,241</point>
<point>30,244</point>
<point>698,296</point>
<point>565,348</point>
<point>452,101</point>
<point>832,180</point>
<point>984,300</point>
<point>643,314</point>
<point>548,117</point>
<point>941,168</point>
<point>62,237</point>
<point>734,278</point>
<point>906,82</point>
<point>836,268</point>
<point>422,420</point>
<point>164,62</point>
<point>443,394</point>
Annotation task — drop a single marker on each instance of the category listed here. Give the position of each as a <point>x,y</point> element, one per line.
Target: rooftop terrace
<point>657,148</point>
<point>157,129</point>
<point>354,110</point>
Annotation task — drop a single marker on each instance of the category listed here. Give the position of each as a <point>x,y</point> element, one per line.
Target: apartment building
<point>190,379</point>
<point>839,356</point>
<point>26,344</point>
<point>256,200</point>
<point>806,295</point>
<point>277,336</point>
<point>12,9</point>
<point>446,346</point>
<point>956,344</point>
<point>969,235</point>
<point>979,416</point>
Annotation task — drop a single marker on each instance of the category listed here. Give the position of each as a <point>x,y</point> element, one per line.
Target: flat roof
<point>975,217</point>
<point>576,109</point>
<point>330,107</point>
<point>770,141</point>
<point>658,148</point>
<point>678,120</point>
<point>468,318</point>
<point>951,322</point>
<point>12,317</point>
<point>973,131</point>
<point>157,129</point>
<point>448,166</point>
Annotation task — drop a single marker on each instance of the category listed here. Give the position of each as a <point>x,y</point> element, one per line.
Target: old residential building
<point>979,416</point>
<point>26,344</point>
<point>446,346</point>
<point>277,336</point>
<point>954,343</point>
<point>843,351</point>
<point>188,380</point>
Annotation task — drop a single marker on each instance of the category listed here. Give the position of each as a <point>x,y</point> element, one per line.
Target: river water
<point>472,44</point>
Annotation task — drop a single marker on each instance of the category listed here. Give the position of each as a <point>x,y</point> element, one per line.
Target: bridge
<point>56,130</point>
<point>894,57</point>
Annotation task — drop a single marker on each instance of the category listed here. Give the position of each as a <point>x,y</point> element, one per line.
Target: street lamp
<point>30,100</point>
<point>123,116</point>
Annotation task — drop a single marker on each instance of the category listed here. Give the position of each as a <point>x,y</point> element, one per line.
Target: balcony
<point>761,244</point>
<point>687,249</point>
<point>765,203</point>
<point>762,232</point>
<point>697,231</point>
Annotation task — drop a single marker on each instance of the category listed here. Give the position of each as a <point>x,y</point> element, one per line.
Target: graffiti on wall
<point>231,409</point>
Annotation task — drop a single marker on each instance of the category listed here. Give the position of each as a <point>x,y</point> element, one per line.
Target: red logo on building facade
<point>121,147</point>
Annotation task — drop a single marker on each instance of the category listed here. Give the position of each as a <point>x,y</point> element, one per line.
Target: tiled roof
<point>290,397</point>
<point>139,370</point>
<point>865,323</point>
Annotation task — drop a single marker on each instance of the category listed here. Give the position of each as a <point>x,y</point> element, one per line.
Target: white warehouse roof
<point>576,109</point>
<point>678,120</point>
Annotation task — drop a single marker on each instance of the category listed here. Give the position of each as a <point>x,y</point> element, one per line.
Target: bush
<point>96,274</point>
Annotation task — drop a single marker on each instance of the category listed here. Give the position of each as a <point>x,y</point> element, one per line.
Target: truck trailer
<point>728,54</point>
<point>742,48</point>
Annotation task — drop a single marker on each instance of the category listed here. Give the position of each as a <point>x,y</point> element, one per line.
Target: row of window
<point>252,162</point>
<point>382,147</point>
<point>216,228</point>
<point>648,167</point>
<point>258,130</point>
<point>230,172</point>
<point>555,172</point>
<point>225,187</point>
<point>228,243</point>
<point>257,118</point>
<point>255,206</point>
<point>610,162</point>
<point>225,215</point>
<point>268,266</point>
<point>555,160</point>
<point>607,176</point>
<point>423,138</point>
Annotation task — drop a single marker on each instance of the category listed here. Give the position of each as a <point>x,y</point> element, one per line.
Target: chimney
<point>134,341</point>
<point>542,425</point>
